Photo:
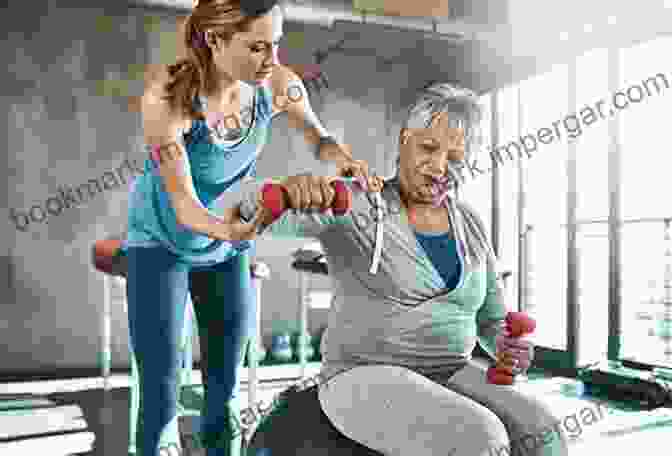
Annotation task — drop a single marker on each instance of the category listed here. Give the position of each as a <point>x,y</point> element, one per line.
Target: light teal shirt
<point>216,167</point>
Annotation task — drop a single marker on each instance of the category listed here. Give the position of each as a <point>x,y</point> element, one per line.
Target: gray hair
<point>463,111</point>
<point>461,105</point>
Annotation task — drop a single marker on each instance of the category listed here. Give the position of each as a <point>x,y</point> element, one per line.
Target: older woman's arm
<point>246,204</point>
<point>490,316</point>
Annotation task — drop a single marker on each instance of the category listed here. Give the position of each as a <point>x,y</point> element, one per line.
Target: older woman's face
<point>424,156</point>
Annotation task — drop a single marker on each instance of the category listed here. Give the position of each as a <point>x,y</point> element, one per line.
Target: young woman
<point>415,288</point>
<point>205,123</point>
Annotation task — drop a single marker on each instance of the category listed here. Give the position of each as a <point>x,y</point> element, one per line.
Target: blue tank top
<point>215,168</point>
<point>441,249</point>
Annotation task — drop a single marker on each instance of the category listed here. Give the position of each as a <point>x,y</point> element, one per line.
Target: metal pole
<point>620,222</point>
<point>106,339</point>
<point>495,228</point>
<point>573,305</point>
<point>303,318</point>
<point>614,175</point>
<point>665,325</point>
<point>252,350</point>
<point>524,260</point>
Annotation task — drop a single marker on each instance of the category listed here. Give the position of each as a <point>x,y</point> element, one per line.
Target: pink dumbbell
<point>518,324</point>
<point>274,197</point>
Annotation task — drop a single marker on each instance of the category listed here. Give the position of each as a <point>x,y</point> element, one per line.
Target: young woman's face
<point>424,155</point>
<point>251,56</point>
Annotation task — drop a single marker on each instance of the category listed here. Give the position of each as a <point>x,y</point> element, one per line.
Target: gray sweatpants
<point>399,412</point>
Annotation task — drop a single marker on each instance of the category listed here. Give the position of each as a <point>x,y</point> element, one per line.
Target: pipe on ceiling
<point>328,13</point>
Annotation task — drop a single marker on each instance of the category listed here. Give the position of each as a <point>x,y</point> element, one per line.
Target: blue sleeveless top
<point>215,167</point>
<point>441,249</point>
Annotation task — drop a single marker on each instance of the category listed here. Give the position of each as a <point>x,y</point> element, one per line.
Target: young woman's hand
<point>231,227</point>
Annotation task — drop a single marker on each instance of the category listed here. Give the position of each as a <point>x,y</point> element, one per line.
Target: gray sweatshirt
<point>398,311</point>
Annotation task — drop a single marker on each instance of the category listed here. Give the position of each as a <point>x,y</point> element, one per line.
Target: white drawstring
<point>362,185</point>
<point>378,247</point>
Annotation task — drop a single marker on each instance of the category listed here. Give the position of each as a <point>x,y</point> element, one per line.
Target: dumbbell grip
<point>274,198</point>
<point>518,325</point>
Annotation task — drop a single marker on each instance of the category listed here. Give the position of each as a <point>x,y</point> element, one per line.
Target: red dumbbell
<point>274,197</point>
<point>517,324</point>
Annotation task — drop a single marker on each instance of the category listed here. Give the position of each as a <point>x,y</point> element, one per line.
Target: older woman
<point>416,288</point>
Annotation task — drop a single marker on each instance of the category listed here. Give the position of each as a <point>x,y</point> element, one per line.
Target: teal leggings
<point>224,303</point>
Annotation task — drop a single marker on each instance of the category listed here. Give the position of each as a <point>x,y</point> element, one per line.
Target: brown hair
<point>195,73</point>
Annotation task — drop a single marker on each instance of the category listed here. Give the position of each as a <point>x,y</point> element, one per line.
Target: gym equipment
<point>313,261</point>
<point>663,373</point>
<point>305,345</point>
<point>274,198</point>
<point>261,354</point>
<point>109,258</point>
<point>307,261</point>
<point>642,390</point>
<point>281,348</point>
<point>297,426</point>
<point>317,343</point>
<point>518,324</point>
<point>34,424</point>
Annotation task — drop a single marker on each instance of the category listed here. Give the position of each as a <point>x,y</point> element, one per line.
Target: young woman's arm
<point>291,96</point>
<point>162,132</point>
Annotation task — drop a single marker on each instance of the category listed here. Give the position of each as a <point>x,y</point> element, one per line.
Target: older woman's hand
<point>517,350</point>
<point>306,191</point>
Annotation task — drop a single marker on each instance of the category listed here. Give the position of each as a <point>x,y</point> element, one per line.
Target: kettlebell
<point>308,347</point>
<point>281,348</point>
<point>317,343</point>
<point>261,353</point>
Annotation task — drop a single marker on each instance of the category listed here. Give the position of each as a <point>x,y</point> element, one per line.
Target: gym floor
<point>107,412</point>
<point>618,432</point>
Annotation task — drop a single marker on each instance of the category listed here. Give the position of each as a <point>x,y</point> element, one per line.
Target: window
<point>509,178</point>
<point>543,104</point>
<point>533,201</point>
<point>592,204</point>
<point>645,203</point>
<point>642,293</point>
<point>645,126</point>
<point>477,190</point>
<point>592,244</point>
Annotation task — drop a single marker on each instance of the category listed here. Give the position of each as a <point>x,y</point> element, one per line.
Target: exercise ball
<point>297,426</point>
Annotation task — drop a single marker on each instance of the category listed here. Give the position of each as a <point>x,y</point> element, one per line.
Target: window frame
<point>551,360</point>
